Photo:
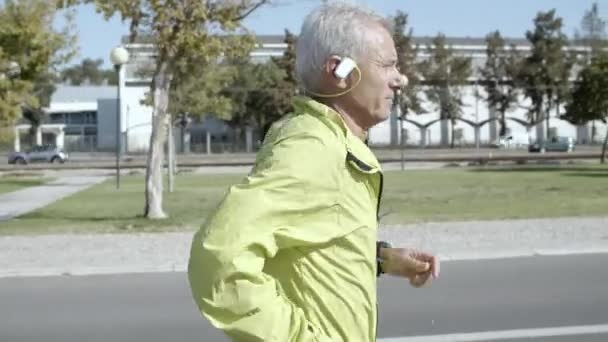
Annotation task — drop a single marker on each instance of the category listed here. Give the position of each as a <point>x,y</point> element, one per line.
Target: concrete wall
<point>476,110</point>
<point>106,124</point>
<point>137,119</point>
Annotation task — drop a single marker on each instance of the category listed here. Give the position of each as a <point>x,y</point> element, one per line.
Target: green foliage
<point>545,71</point>
<point>191,37</point>
<point>499,74</point>
<point>260,95</point>
<point>446,74</point>
<point>89,71</point>
<point>182,33</point>
<point>593,29</point>
<point>199,92</point>
<point>408,63</point>
<point>287,62</point>
<point>28,38</point>
<point>589,100</point>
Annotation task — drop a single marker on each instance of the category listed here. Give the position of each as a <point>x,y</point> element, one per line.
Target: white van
<point>515,140</point>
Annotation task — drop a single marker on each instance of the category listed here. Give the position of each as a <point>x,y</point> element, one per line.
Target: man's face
<point>373,97</point>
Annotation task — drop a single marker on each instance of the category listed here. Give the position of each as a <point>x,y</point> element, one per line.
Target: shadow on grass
<point>589,175</point>
<point>84,218</point>
<point>138,219</point>
<point>564,169</point>
<point>21,182</point>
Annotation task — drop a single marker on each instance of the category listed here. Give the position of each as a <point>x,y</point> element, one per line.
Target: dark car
<point>554,144</point>
<point>40,154</point>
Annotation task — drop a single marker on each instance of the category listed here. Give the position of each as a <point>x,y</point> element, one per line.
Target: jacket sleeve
<point>289,200</point>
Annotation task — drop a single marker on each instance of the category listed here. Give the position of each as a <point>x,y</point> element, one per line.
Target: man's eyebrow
<point>391,60</point>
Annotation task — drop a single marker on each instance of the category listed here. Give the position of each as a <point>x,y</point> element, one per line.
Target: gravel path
<point>132,253</point>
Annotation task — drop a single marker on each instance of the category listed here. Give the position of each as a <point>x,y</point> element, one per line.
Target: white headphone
<point>345,67</point>
<point>342,70</point>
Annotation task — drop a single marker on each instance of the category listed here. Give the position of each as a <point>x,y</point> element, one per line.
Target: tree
<point>499,74</point>
<point>285,86</point>
<point>181,31</point>
<point>408,64</point>
<point>593,36</point>
<point>287,62</point>
<point>545,72</point>
<point>445,73</point>
<point>260,94</point>
<point>14,92</point>
<point>593,30</point>
<point>89,71</point>
<point>199,94</point>
<point>589,100</point>
<point>29,40</point>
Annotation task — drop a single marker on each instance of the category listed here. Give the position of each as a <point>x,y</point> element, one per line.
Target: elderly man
<point>291,252</point>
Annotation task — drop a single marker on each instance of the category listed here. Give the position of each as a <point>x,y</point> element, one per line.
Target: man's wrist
<point>382,248</point>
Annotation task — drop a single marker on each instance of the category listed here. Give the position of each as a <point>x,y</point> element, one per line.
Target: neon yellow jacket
<point>289,254</point>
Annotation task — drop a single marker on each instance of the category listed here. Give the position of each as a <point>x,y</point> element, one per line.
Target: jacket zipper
<point>380,195</point>
<point>378,220</point>
<point>351,158</point>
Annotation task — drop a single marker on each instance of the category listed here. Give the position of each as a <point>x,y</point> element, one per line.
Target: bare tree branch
<point>252,9</point>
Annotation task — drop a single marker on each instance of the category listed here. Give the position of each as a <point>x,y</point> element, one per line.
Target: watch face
<point>384,244</point>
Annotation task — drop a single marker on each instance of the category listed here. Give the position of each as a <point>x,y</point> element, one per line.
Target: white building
<point>79,118</point>
<point>418,129</point>
<point>88,114</point>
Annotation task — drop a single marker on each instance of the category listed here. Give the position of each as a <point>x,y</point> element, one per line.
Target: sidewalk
<point>29,199</point>
<point>168,252</point>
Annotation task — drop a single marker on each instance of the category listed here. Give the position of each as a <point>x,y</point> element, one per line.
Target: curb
<point>182,267</point>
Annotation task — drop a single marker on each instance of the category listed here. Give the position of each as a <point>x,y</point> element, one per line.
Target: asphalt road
<point>488,296</point>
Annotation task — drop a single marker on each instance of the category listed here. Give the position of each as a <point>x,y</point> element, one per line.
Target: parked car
<point>39,153</point>
<point>512,141</point>
<point>554,144</point>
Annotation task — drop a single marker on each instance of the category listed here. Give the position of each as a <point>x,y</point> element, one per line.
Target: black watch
<point>380,244</point>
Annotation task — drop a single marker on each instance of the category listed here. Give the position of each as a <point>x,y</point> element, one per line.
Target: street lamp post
<point>400,114</point>
<point>12,70</point>
<point>119,57</point>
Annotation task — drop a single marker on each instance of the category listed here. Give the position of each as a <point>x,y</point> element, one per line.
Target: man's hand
<point>415,265</point>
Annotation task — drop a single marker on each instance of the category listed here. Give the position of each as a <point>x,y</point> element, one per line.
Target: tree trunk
<point>547,125</point>
<point>503,124</point>
<point>160,120</point>
<point>603,159</point>
<point>171,157</point>
<point>453,124</point>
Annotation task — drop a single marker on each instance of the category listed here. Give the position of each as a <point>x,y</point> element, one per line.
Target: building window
<point>90,131</point>
<point>91,118</point>
<point>57,118</point>
<point>72,130</point>
<point>76,119</point>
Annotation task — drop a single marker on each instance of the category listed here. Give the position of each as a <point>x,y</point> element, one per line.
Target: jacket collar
<point>359,154</point>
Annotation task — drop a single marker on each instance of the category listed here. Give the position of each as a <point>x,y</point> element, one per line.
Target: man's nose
<point>400,82</point>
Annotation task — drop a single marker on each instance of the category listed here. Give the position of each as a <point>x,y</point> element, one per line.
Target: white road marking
<point>505,334</point>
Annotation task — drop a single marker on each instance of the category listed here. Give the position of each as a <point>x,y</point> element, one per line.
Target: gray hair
<point>332,29</point>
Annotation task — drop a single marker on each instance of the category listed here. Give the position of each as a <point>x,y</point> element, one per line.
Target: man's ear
<point>331,64</point>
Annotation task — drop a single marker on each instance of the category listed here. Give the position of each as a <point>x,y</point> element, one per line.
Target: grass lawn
<point>411,196</point>
<point>12,183</point>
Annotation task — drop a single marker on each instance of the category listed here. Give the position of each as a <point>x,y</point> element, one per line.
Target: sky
<point>457,18</point>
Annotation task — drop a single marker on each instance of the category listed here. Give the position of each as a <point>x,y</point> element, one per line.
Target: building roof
<point>422,40</point>
<point>67,94</point>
